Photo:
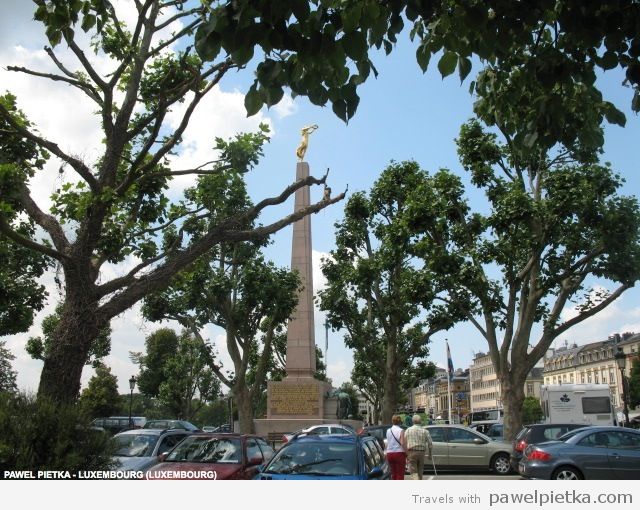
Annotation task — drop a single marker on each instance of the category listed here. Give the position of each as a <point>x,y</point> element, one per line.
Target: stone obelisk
<point>301,343</point>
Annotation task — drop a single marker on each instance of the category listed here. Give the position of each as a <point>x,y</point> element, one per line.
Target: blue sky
<point>403,114</point>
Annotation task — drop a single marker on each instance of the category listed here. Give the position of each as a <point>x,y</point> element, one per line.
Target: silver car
<point>139,449</point>
<point>459,447</point>
<point>592,453</point>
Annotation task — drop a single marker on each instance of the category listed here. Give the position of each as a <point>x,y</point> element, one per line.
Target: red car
<point>213,456</point>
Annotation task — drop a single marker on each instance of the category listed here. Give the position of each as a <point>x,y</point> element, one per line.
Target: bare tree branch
<point>85,87</point>
<point>86,64</point>
<point>6,229</point>
<point>46,221</point>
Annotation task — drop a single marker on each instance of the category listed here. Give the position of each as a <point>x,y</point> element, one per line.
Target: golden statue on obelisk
<point>302,148</point>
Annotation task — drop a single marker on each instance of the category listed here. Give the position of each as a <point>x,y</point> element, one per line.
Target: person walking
<point>396,455</point>
<point>418,444</point>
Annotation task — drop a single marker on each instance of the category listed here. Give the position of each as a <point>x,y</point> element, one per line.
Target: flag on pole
<point>449,363</point>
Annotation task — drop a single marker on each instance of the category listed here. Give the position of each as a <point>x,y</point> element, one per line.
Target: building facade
<point>485,386</point>
<point>593,363</point>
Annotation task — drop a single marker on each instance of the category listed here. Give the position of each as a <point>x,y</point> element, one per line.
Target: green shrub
<point>38,434</point>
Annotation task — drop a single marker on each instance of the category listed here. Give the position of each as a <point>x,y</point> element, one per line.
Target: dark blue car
<point>326,457</point>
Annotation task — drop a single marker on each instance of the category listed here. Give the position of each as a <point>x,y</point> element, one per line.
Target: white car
<point>321,430</point>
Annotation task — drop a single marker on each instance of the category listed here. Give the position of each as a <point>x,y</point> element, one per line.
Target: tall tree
<point>555,224</point>
<point>160,347</point>
<point>375,290</point>
<point>7,374</point>
<point>251,299</point>
<point>188,382</point>
<point>117,206</point>
<point>174,370</point>
<point>100,397</point>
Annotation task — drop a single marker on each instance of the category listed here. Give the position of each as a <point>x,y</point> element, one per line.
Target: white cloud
<point>319,280</point>
<point>339,372</point>
<point>618,317</point>
<point>286,107</point>
<point>219,114</point>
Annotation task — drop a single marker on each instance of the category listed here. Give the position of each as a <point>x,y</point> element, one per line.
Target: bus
<point>496,415</point>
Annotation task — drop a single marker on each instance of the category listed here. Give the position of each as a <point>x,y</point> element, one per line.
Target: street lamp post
<point>132,385</point>
<point>621,359</point>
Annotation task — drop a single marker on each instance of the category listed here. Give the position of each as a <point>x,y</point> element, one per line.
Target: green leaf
<point>242,55</point>
<point>355,45</point>
<point>273,95</point>
<point>88,22</point>
<point>351,18</point>
<point>609,60</point>
<point>464,67</point>
<point>615,116</point>
<point>339,107</point>
<point>423,56</point>
<point>635,102</point>
<point>207,42</point>
<point>447,63</point>
<point>253,101</point>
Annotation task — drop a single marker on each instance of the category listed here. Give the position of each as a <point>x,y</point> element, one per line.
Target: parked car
<point>496,432</point>
<point>139,449</point>
<point>591,453</point>
<point>484,426</point>
<point>377,431</point>
<point>328,457</point>
<point>538,433</point>
<point>220,455</point>
<point>115,424</point>
<point>171,424</point>
<point>320,430</point>
<point>459,447</point>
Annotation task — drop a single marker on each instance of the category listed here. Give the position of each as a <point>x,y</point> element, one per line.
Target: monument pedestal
<point>297,403</point>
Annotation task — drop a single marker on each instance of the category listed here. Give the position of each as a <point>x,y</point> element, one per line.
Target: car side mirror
<point>255,461</point>
<point>477,440</point>
<point>376,472</point>
<point>163,456</point>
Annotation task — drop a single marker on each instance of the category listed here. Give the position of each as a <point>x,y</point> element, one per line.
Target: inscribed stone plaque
<point>295,399</point>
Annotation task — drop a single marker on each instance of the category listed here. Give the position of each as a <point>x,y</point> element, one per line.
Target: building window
<point>582,377</point>
<point>571,377</point>
<point>529,389</point>
<point>589,377</point>
<point>595,377</point>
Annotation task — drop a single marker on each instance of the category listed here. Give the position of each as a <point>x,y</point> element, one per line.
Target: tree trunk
<point>245,409</point>
<point>79,326</point>
<point>512,389</point>
<point>389,400</point>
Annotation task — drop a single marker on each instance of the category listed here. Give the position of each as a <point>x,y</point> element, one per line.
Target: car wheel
<point>566,473</point>
<point>501,464</point>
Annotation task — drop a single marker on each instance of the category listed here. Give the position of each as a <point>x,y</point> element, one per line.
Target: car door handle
<point>615,456</point>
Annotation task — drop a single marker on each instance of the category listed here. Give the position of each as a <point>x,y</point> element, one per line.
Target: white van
<point>589,404</point>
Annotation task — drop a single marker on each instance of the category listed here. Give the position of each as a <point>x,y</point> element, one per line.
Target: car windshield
<point>207,450</point>
<point>305,458</point>
<point>135,445</point>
